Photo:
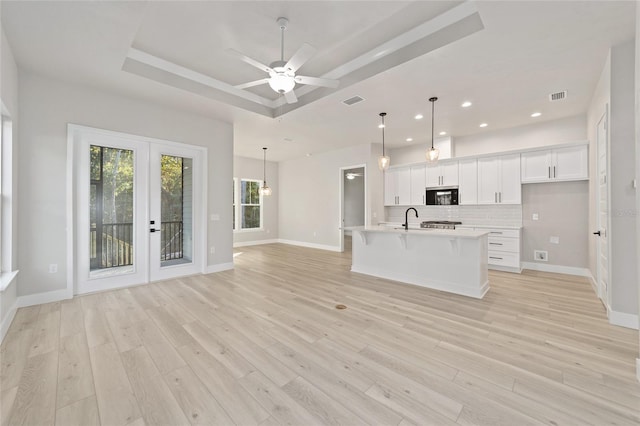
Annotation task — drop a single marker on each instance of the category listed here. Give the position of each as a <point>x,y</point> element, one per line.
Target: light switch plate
<point>215,217</point>
<point>554,240</point>
<point>534,216</point>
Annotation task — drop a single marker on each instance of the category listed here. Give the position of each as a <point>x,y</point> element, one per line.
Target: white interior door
<point>175,205</point>
<point>603,213</point>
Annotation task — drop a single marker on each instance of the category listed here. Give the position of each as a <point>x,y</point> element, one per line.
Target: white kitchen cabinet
<point>468,181</point>
<point>397,187</point>
<point>418,185</point>
<point>555,165</point>
<point>442,174</point>
<point>504,247</point>
<point>499,180</point>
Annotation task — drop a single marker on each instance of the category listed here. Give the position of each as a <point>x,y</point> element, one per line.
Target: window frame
<point>238,205</point>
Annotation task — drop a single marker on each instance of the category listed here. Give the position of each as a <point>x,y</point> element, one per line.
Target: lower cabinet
<point>504,248</point>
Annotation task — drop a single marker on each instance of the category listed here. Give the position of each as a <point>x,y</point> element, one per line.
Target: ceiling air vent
<point>558,96</point>
<point>353,100</point>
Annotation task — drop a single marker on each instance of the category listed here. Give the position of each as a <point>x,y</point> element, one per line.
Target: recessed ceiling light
<point>484,125</point>
<point>442,133</point>
<point>380,126</point>
<point>419,116</point>
<point>309,154</point>
<point>536,114</point>
<point>466,104</point>
<point>409,139</point>
<point>288,140</point>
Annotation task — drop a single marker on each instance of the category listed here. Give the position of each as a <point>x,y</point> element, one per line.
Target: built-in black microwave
<point>444,196</point>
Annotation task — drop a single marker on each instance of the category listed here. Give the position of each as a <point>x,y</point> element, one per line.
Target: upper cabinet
<point>468,181</point>
<point>442,174</point>
<point>554,165</point>
<point>397,187</point>
<point>418,185</point>
<point>499,180</point>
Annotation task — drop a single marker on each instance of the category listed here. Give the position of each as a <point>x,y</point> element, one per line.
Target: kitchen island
<point>454,261</point>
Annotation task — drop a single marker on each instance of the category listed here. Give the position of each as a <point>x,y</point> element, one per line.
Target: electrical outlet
<point>554,240</point>
<point>315,234</point>
<point>215,217</point>
<point>541,255</point>
<point>534,216</point>
<point>212,250</point>
<point>375,215</point>
<point>53,268</point>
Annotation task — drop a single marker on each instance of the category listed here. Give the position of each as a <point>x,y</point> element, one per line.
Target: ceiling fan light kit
<point>433,153</point>
<point>282,74</point>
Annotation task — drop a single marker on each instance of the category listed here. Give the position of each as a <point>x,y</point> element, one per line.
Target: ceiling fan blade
<point>315,81</point>
<point>249,60</point>
<point>291,97</point>
<point>298,59</point>
<point>252,83</point>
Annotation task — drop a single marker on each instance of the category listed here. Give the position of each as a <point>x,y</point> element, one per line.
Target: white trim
<point>47,297</point>
<point>341,231</point>
<point>6,278</point>
<point>512,269</point>
<point>558,269</point>
<point>594,284</point>
<point>623,319</point>
<point>638,369</point>
<point>219,267</point>
<point>8,319</point>
<point>255,243</point>
<point>309,245</point>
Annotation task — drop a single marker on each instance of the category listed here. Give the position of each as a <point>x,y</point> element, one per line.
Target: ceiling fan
<point>352,176</point>
<point>282,74</point>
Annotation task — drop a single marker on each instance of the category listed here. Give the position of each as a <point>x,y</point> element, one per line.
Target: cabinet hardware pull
<point>549,172</point>
<point>491,257</point>
<point>554,171</point>
<point>495,196</point>
<point>495,244</point>
<point>495,232</point>
<point>500,196</point>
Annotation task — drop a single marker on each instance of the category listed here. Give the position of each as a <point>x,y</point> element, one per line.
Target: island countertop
<point>426,232</point>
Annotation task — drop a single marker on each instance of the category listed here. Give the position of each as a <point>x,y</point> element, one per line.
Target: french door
<point>139,208</point>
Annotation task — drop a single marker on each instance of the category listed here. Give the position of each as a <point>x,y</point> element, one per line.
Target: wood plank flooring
<point>264,345</point>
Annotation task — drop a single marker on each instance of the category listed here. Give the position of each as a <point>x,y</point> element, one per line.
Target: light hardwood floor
<point>264,344</point>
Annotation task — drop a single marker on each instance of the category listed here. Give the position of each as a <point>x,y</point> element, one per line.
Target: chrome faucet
<point>406,220</point>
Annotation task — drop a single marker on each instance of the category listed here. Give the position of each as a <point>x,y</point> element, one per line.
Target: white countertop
<point>457,233</point>
<point>464,225</point>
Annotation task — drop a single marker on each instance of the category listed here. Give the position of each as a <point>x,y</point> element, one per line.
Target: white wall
<point>9,98</point>
<point>250,168</point>
<point>46,107</point>
<point>545,133</point>
<point>310,194</point>
<point>354,198</point>
<point>624,255</point>
<point>638,151</point>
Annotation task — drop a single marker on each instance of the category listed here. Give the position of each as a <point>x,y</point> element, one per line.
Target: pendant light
<point>264,190</point>
<point>433,153</point>
<point>383,160</point>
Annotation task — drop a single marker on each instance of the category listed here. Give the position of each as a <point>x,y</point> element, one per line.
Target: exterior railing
<point>171,240</point>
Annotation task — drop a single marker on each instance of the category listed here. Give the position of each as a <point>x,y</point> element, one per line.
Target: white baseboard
<point>623,319</point>
<point>40,298</point>
<point>310,245</point>
<point>219,267</point>
<point>6,322</point>
<point>558,269</point>
<point>255,243</point>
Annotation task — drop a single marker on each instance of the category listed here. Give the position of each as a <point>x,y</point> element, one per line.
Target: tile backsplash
<point>497,215</point>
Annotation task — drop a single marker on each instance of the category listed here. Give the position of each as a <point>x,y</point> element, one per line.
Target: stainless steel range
<point>439,224</point>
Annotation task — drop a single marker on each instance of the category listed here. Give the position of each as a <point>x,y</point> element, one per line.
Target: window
<point>248,213</point>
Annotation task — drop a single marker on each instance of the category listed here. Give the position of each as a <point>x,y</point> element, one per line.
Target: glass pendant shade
<point>432,155</point>
<point>383,162</point>
<point>265,190</point>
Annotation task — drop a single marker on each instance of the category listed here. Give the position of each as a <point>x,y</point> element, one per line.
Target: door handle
<point>597,233</point>
<point>154,230</point>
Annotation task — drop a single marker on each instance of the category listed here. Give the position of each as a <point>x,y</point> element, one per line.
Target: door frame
<point>341,200</point>
<point>605,298</point>
<point>75,135</point>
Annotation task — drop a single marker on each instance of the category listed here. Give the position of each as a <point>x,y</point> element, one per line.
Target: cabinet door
<point>510,191</point>
<point>433,175</point>
<point>390,188</point>
<point>488,180</point>
<point>403,186</point>
<point>418,184</point>
<point>571,163</point>
<point>468,182</point>
<point>449,173</point>
<point>536,166</point>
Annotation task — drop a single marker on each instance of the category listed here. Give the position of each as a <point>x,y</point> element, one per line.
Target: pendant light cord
<point>264,167</point>
<point>382,114</point>
<point>282,43</point>
<point>433,104</point>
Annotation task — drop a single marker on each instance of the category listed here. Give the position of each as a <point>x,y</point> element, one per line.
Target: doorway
<point>138,207</point>
<point>602,218</point>
<point>352,202</point>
